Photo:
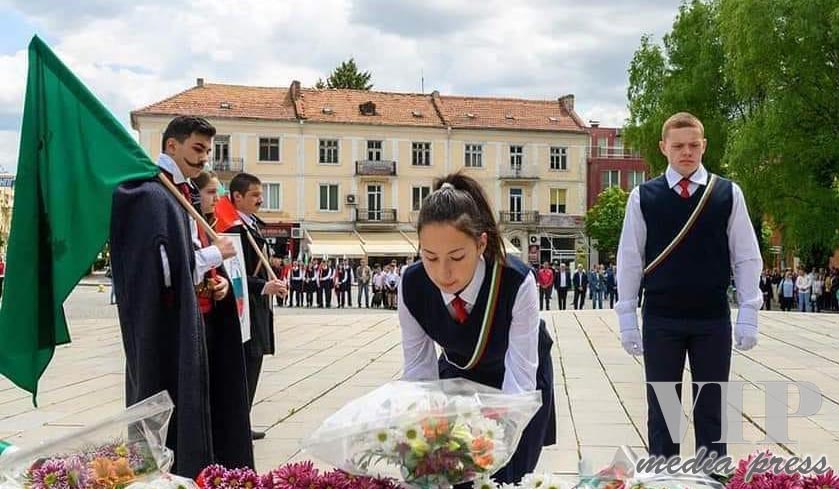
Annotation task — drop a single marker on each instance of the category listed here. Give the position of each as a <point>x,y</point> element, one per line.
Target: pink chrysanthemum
<point>298,475</point>
<point>212,477</point>
<point>52,474</point>
<point>828,480</point>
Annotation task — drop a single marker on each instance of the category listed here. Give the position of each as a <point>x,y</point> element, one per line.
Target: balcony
<point>375,217</point>
<point>561,221</point>
<point>519,173</point>
<point>612,153</point>
<point>375,168</point>
<point>520,218</point>
<point>232,165</point>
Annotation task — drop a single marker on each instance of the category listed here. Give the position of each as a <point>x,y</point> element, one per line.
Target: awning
<point>335,245</point>
<point>510,247</point>
<point>387,244</point>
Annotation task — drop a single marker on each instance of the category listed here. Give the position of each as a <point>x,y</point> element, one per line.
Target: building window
<point>269,149</point>
<point>635,178</point>
<point>611,178</point>
<point>558,200</point>
<point>418,196</point>
<point>328,197</point>
<point>516,157</point>
<point>271,196</point>
<point>421,154</point>
<point>474,156</point>
<point>559,158</point>
<point>329,151</point>
<point>374,150</point>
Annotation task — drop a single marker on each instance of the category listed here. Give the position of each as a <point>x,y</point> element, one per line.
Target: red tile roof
<point>391,108</point>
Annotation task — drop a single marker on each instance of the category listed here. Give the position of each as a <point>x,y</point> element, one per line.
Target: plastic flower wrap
<point>620,474</point>
<point>427,434</point>
<point>108,455</point>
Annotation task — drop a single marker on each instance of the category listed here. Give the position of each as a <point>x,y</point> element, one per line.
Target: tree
<point>762,77</point>
<point>604,220</point>
<point>347,75</point>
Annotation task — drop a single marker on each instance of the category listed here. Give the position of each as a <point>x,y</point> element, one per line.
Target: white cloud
<point>131,54</point>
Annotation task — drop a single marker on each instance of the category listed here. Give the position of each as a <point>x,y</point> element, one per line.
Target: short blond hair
<point>680,120</point>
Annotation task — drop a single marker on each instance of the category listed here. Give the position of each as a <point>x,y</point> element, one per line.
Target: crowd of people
<point>600,283</point>
<point>318,282</point>
<point>813,290</point>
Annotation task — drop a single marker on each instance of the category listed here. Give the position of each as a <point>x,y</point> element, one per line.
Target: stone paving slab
<point>327,358</point>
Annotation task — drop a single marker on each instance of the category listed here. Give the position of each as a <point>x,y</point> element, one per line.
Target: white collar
<point>699,177</point>
<point>470,293</point>
<point>165,162</point>
<point>246,218</point>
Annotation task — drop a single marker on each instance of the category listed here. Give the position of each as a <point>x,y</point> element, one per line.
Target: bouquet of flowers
<point>428,434</point>
<point>297,475</point>
<point>108,455</point>
<point>621,474</point>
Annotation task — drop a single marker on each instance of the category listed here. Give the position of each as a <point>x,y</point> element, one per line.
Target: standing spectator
<point>597,285</point>
<point>766,288</point>
<point>611,286</point>
<point>803,285</point>
<point>391,284</point>
<point>817,292</point>
<point>363,274</point>
<point>786,292</point>
<point>562,282</point>
<point>580,282</point>
<point>378,286</point>
<point>310,285</point>
<point>545,279</point>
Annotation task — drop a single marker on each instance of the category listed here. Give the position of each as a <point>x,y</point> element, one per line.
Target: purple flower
<point>212,477</point>
<point>52,474</point>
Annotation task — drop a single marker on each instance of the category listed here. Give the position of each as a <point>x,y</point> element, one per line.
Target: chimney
<point>594,123</point>
<point>294,90</point>
<point>568,102</point>
<point>199,82</point>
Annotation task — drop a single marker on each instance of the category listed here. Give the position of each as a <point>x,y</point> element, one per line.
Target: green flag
<point>73,153</point>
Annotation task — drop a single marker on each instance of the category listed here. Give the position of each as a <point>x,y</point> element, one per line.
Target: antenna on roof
<point>422,81</point>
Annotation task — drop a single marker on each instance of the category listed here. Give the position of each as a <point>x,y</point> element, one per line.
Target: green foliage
<point>762,76</point>
<point>605,220</point>
<point>347,75</point>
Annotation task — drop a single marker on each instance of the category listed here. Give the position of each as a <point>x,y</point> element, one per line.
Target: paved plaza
<point>326,358</point>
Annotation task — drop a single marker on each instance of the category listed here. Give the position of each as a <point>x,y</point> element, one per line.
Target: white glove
<point>745,336</point>
<point>631,341</point>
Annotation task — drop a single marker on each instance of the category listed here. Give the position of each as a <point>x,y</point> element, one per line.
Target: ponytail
<point>460,200</point>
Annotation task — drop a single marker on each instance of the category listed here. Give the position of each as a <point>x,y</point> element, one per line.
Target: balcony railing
<point>229,164</point>
<point>519,172</point>
<point>522,218</point>
<point>386,168</point>
<point>561,221</point>
<point>384,216</point>
<point>612,152</point>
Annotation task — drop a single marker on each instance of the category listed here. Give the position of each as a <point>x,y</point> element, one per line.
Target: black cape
<point>162,329</point>
<point>229,406</point>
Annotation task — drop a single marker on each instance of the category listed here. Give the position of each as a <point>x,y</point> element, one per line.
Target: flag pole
<point>199,219</point>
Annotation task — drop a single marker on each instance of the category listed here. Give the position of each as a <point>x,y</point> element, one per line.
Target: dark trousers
<point>707,344</point>
<point>545,298</point>
<point>365,289</point>
<point>579,298</point>
<point>613,296</point>
<point>325,294</point>
<point>767,302</point>
<point>562,297</point>
<point>786,303</point>
<point>253,367</point>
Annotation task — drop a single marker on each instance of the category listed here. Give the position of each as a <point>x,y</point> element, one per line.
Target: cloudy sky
<point>132,53</point>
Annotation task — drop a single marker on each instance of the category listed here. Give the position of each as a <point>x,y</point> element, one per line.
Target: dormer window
<point>225,105</point>
<point>509,117</point>
<point>367,108</point>
<point>416,113</point>
<point>553,119</point>
<point>470,115</point>
<point>327,110</point>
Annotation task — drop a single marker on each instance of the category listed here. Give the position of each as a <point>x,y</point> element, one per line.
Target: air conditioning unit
<point>533,239</point>
<point>350,199</point>
<point>297,233</point>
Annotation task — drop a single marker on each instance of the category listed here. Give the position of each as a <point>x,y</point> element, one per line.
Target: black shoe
<point>257,435</point>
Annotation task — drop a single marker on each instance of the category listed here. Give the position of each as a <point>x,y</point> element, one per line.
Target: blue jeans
<point>597,299</point>
<point>803,301</point>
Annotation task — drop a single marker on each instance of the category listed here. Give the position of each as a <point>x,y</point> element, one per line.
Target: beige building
<point>7,202</point>
<point>344,171</point>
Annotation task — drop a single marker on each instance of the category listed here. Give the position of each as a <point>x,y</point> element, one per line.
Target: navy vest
<point>692,281</point>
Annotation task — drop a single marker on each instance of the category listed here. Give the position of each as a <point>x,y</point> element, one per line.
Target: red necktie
<point>460,312</point>
<point>684,183</point>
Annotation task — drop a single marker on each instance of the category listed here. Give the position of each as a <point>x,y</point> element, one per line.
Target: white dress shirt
<point>206,258</point>
<point>742,245</point>
<point>522,357</point>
